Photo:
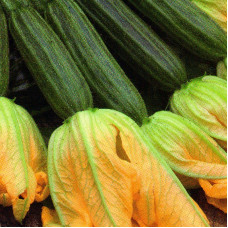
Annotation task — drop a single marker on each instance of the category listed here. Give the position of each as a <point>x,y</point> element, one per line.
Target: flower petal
<point>219,203</point>
<point>156,203</point>
<point>114,175</point>
<point>215,188</point>
<point>103,185</point>
<point>216,192</point>
<point>21,147</point>
<point>188,150</point>
<point>49,218</point>
<point>193,155</point>
<point>204,101</point>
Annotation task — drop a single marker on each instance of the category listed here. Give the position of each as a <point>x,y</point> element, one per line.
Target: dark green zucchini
<point>48,60</point>
<point>100,69</point>
<point>4,54</point>
<point>39,5</point>
<point>136,43</point>
<point>185,23</point>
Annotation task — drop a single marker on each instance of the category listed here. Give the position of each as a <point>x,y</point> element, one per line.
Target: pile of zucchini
<point>132,56</point>
<point>69,60</point>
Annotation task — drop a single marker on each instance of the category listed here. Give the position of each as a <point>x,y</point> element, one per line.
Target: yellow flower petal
<point>34,147</point>
<point>188,149</point>
<point>216,192</point>
<point>42,190</point>
<point>21,206</point>
<point>192,154</point>
<point>99,183</point>
<point>114,175</point>
<point>169,206</point>
<point>49,218</point>
<point>219,203</point>
<point>214,188</point>
<point>22,154</point>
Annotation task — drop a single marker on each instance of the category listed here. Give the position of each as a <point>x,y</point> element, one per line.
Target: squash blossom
<point>103,171</point>
<point>191,153</point>
<point>222,69</point>
<point>204,101</point>
<point>216,9</point>
<point>23,177</point>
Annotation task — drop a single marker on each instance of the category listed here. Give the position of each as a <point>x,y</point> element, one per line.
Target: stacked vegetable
<point>115,166</point>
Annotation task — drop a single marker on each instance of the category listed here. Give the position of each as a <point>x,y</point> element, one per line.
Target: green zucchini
<point>185,23</point>
<point>136,43</point>
<point>48,60</point>
<point>100,69</point>
<point>4,54</point>
<point>39,5</point>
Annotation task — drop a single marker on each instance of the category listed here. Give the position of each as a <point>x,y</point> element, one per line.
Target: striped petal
<point>114,176</point>
<point>23,155</point>
<point>98,187</point>
<point>204,101</point>
<point>191,153</point>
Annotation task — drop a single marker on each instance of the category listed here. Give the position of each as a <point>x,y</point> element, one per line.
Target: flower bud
<point>114,177</point>
<point>189,151</point>
<point>23,177</point>
<point>204,101</point>
<point>216,9</point>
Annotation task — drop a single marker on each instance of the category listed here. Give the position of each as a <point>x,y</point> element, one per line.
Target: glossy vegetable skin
<point>137,44</point>
<point>185,23</point>
<point>100,69</point>
<point>48,60</point>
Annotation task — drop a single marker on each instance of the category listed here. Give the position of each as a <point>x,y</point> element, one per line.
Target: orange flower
<point>23,177</point>
<point>103,171</point>
<point>191,153</point>
<point>216,192</point>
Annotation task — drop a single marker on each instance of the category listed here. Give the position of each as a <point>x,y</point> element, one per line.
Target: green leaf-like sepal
<point>204,101</point>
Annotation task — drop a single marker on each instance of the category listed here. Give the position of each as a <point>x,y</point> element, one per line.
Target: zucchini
<point>136,43</point>
<point>48,60</point>
<point>189,26</point>
<point>100,69</point>
<point>4,54</point>
<point>39,5</point>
